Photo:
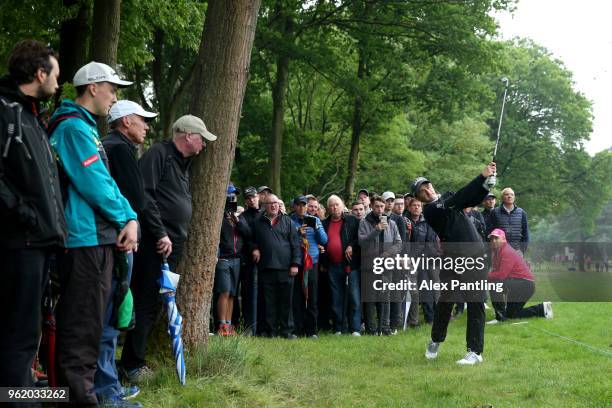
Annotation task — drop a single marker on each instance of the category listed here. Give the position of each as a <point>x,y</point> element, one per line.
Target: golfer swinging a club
<point>460,240</point>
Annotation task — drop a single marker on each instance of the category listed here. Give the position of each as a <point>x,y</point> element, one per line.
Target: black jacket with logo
<point>31,207</point>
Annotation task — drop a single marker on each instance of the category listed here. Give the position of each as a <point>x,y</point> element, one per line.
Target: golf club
<point>492,180</point>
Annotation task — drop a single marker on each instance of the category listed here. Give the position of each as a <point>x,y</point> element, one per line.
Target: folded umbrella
<point>168,282</point>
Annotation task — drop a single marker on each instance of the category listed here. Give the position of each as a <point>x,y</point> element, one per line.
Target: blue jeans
<point>106,380</point>
<point>339,291</point>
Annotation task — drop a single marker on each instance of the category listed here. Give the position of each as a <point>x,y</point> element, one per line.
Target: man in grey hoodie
<point>378,237</point>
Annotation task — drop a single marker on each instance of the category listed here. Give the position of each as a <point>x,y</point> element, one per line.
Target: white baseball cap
<point>98,72</point>
<point>124,108</point>
<point>192,124</point>
<point>387,195</point>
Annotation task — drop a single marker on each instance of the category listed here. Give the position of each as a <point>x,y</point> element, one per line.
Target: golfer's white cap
<point>124,108</point>
<point>98,72</point>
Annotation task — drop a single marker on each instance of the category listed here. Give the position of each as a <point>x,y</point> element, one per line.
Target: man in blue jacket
<point>512,220</point>
<point>99,220</point>
<point>305,293</point>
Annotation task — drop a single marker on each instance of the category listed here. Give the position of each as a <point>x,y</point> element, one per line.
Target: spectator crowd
<point>81,210</point>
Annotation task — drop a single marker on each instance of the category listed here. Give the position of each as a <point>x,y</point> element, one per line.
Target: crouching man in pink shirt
<point>511,269</point>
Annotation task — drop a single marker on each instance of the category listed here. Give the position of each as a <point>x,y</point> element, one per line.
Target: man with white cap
<point>128,123</point>
<point>100,221</point>
<point>167,213</point>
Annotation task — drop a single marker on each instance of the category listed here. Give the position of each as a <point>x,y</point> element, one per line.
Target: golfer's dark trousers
<point>277,288</point>
<point>305,312</point>
<point>510,304</point>
<point>85,283</point>
<point>474,335</point>
<point>147,301</point>
<point>24,276</point>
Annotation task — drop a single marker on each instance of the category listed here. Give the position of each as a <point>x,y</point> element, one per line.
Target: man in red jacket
<point>510,268</point>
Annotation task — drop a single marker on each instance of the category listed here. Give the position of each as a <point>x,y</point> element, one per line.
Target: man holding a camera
<point>234,232</point>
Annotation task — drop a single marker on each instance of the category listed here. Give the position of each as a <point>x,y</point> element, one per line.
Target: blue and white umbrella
<point>168,282</point>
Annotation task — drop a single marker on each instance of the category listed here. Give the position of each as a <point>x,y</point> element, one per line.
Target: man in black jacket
<point>31,209</point>
<point>277,255</point>
<point>234,231</point>
<point>458,235</point>
<point>128,123</point>
<point>167,213</point>
<point>488,207</point>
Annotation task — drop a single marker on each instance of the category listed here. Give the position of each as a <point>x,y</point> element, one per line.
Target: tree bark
<point>279,92</point>
<point>356,130</point>
<point>221,72</point>
<point>73,40</point>
<point>105,40</point>
<point>278,123</point>
<point>105,33</point>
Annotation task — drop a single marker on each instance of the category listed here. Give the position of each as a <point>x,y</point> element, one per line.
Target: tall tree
<point>105,31</point>
<point>74,34</point>
<point>222,73</point>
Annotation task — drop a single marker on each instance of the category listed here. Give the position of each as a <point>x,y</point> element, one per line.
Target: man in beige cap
<point>166,216</point>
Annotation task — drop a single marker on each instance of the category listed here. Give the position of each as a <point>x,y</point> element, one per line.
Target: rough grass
<point>525,365</point>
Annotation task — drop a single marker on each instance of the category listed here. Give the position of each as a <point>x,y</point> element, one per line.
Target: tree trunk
<point>221,72</point>
<point>105,33</point>
<point>105,40</point>
<point>73,41</point>
<point>279,92</point>
<point>353,161</point>
<point>278,123</point>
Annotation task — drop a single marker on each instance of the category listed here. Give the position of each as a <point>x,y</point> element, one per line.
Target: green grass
<point>523,367</point>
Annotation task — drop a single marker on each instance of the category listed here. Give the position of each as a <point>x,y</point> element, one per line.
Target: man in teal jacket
<point>99,220</point>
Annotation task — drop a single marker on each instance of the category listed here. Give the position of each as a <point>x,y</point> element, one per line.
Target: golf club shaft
<point>501,116</point>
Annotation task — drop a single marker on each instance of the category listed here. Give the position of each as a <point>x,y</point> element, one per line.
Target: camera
<point>231,206</point>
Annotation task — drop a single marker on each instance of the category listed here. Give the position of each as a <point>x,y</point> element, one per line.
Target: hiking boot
<point>548,312</point>
<point>432,350</point>
<point>137,375</point>
<point>470,358</point>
